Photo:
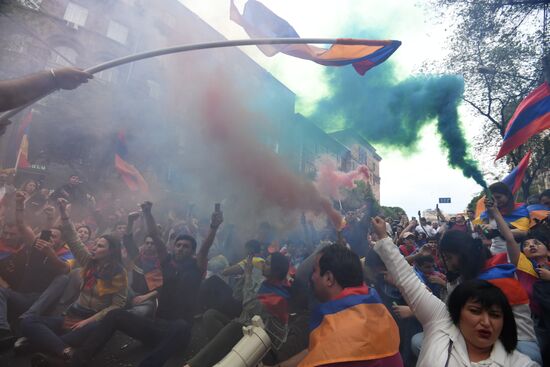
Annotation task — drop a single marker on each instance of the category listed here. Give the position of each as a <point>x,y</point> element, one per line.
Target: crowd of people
<point>77,266</point>
<point>459,291</point>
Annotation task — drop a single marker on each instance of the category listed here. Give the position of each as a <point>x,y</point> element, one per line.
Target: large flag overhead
<point>515,178</point>
<point>531,117</point>
<point>130,174</point>
<point>260,22</point>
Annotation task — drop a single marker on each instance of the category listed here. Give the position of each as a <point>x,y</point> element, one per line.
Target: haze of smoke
<point>330,181</point>
<point>224,121</point>
<point>393,114</point>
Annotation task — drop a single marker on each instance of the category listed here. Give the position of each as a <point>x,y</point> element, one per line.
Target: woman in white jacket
<point>476,329</point>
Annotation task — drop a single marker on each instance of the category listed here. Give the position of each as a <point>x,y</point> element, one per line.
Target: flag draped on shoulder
<point>518,218</point>
<point>538,212</point>
<point>258,21</point>
<point>274,298</point>
<point>515,178</point>
<point>531,117</point>
<point>64,254</point>
<point>499,272</point>
<point>130,174</point>
<point>354,327</point>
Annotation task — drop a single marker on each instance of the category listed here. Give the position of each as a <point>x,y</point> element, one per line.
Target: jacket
<point>443,342</point>
<point>101,296</point>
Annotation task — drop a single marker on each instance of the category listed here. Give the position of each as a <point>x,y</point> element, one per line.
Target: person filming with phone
<point>42,276</point>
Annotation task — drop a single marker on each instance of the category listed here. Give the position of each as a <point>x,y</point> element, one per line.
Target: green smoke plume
<point>393,113</point>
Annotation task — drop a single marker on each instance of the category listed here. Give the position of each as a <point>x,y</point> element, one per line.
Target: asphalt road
<point>121,351</point>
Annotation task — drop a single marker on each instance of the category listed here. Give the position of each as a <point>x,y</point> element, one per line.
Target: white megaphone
<point>250,350</point>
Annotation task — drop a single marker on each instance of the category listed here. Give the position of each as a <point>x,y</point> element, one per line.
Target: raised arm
<point>69,234</point>
<point>26,232</point>
<point>17,92</point>
<point>152,230</point>
<point>128,239</point>
<point>505,232</point>
<point>425,306</point>
<point>202,254</point>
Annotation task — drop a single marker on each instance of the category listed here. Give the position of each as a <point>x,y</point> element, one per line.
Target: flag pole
<point>193,47</point>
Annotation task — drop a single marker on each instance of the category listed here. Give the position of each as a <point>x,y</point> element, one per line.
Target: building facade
<point>76,129</point>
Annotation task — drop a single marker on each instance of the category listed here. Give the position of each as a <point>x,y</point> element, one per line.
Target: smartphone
<point>217,207</point>
<point>46,235</point>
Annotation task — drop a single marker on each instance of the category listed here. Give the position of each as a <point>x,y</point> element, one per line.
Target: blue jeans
<point>46,334</point>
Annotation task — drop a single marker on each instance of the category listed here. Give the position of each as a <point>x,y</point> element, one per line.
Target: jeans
<point>219,345</point>
<point>44,334</point>
<point>25,305</point>
<point>165,336</point>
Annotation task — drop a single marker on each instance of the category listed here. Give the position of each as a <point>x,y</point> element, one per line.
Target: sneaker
<point>22,346</point>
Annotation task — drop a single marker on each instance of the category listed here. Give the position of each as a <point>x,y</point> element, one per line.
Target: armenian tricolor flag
<point>130,174</point>
<point>499,272</point>
<point>65,254</point>
<point>258,21</point>
<point>22,160</point>
<point>354,327</point>
<point>518,218</point>
<point>515,178</point>
<point>274,298</point>
<point>7,251</point>
<point>538,212</point>
<point>531,117</point>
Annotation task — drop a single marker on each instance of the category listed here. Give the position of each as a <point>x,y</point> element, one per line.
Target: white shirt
<point>431,312</point>
<point>428,229</point>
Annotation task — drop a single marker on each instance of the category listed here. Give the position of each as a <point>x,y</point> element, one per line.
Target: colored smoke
<point>258,169</point>
<point>330,181</point>
<point>393,113</point>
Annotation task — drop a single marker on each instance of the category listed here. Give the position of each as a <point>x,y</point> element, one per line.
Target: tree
<point>500,47</point>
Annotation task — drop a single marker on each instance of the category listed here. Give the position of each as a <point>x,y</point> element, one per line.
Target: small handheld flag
<point>515,178</point>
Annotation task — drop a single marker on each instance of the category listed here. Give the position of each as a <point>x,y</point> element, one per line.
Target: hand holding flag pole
<point>192,47</point>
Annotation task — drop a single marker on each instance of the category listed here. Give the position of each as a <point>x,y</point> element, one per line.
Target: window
<point>169,20</point>
<point>154,89</point>
<point>117,32</point>
<point>76,14</point>
<point>63,56</point>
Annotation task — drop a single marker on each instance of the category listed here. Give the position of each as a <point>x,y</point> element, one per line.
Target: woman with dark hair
<point>477,327</point>
<point>104,288</point>
<point>515,214</point>
<point>466,258</point>
<point>29,188</point>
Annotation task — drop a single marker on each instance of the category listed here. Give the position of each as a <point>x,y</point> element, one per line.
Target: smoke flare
<point>393,114</point>
<point>224,124</point>
<point>330,180</point>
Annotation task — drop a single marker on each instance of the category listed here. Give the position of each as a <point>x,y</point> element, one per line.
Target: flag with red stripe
<point>130,174</point>
<point>258,21</point>
<point>531,117</point>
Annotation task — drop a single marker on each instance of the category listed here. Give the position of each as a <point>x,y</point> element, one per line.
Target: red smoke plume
<point>226,124</point>
<point>330,180</point>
